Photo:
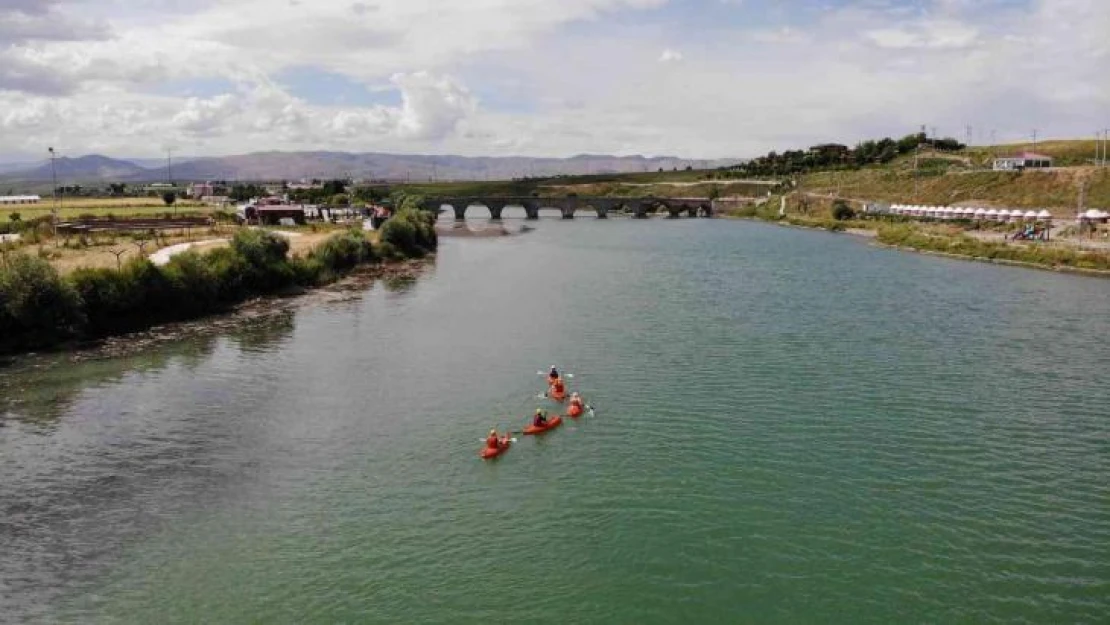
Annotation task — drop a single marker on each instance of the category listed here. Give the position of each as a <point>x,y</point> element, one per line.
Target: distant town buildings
<point>10,200</point>
<point>1027,160</point>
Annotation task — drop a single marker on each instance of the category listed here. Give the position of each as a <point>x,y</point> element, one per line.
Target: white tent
<point>992,214</point>
<point>980,213</point>
<point>1031,214</point>
<point>1044,215</point>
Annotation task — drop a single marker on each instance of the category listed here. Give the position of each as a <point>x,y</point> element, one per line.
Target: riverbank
<point>43,310</point>
<point>254,311</point>
<point>948,241</point>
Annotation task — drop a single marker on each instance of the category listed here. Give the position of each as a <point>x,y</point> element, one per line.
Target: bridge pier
<point>531,210</point>
<point>674,212</point>
<point>460,212</point>
<point>495,210</point>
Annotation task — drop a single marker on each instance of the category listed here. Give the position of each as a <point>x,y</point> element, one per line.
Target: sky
<point>689,78</point>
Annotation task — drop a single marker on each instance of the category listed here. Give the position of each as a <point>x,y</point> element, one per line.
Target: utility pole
<point>1034,140</point>
<point>969,135</point>
<point>916,151</point>
<point>169,165</point>
<point>57,196</point>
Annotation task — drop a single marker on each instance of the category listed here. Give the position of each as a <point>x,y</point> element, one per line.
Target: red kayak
<point>551,424</point>
<point>493,452</point>
<point>557,395</point>
<point>575,410</point>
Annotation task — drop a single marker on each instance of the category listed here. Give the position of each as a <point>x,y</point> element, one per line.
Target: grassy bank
<point>1040,255</point>
<point>1056,190</point>
<point>948,239</point>
<point>41,309</point>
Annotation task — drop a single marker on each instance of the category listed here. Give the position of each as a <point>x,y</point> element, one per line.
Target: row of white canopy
<point>948,212</point>
<point>1094,213</point>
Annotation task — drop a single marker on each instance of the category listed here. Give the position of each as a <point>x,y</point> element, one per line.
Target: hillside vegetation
<point>1057,190</point>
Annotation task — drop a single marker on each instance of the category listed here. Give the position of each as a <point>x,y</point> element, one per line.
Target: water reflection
<point>271,333</point>
<point>399,284</point>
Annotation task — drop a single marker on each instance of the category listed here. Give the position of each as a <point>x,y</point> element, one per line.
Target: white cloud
<point>670,55</point>
<point>937,35</point>
<point>500,76</point>
<point>431,106</point>
<point>784,35</point>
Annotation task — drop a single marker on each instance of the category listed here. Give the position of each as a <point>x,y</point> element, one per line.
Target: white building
<point>1026,160</point>
<point>11,200</point>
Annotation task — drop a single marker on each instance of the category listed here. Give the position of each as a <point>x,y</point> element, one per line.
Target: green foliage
<point>411,231</point>
<point>1045,255</point>
<point>842,211</point>
<point>264,254</point>
<point>169,197</point>
<point>243,192</point>
<point>836,156</point>
<point>15,216</point>
<point>37,307</point>
<point>40,309</point>
<point>344,251</point>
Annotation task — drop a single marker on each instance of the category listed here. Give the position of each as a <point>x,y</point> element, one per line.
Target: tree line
<point>836,156</point>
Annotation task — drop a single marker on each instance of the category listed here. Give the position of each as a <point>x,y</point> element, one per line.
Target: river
<point>791,426</point>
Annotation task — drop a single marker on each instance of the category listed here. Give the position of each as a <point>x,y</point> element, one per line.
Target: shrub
<point>193,284</point>
<point>265,267</point>
<point>841,211</point>
<point>37,307</point>
<point>110,300</point>
<point>344,251</point>
<point>400,234</point>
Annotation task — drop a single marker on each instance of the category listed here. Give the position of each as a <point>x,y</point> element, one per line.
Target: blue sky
<point>696,78</point>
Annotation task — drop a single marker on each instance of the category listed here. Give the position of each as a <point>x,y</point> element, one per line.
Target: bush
<point>110,301</point>
<point>37,307</point>
<point>193,285</point>
<point>344,251</point>
<point>841,211</point>
<point>265,267</point>
<point>40,309</point>
<point>411,231</point>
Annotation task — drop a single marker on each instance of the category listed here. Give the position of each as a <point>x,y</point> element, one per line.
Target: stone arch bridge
<point>601,206</point>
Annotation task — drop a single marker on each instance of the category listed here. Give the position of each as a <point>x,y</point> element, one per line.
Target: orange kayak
<point>574,410</point>
<point>552,423</point>
<point>556,395</point>
<point>493,452</point>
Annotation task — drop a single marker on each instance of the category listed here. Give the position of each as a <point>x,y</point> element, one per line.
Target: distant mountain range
<point>261,166</point>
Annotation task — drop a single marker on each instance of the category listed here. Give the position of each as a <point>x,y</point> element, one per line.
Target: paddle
<point>569,375</point>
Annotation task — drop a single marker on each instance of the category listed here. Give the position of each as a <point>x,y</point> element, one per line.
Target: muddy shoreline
<point>259,309</point>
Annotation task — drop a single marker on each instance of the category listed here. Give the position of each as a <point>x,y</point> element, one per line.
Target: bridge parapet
<point>567,206</point>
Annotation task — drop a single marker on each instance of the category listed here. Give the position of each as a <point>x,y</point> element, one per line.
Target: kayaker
<point>576,400</point>
<point>553,375</point>
<point>493,441</point>
<point>557,386</point>
<point>540,419</point>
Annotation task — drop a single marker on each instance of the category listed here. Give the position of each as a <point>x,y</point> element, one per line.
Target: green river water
<point>791,426</point>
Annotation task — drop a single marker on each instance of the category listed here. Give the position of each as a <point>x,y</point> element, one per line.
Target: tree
<point>169,197</point>
<point>15,216</point>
